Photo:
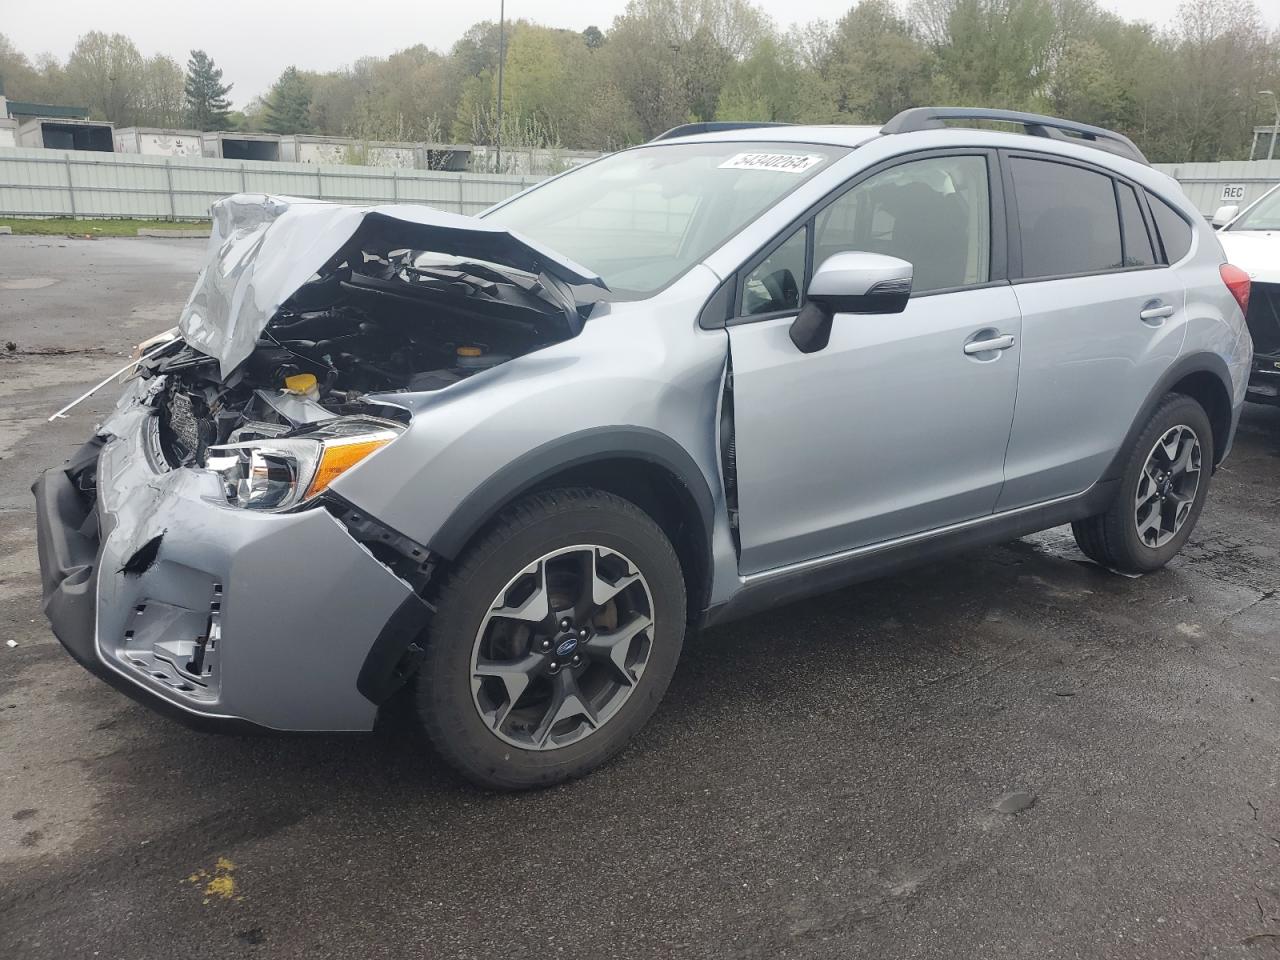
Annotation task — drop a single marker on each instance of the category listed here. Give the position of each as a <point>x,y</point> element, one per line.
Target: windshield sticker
<point>779,162</point>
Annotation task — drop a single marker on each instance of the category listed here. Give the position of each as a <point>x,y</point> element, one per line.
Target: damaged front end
<point>307,310</point>
<point>180,556</point>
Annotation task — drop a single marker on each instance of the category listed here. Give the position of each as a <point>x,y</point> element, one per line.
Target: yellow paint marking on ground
<point>223,885</point>
<point>220,884</point>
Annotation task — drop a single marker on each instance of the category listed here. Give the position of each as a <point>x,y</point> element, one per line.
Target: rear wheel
<point>554,640</point>
<point>1162,491</point>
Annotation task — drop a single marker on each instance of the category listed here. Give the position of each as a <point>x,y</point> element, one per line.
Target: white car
<point>1251,240</point>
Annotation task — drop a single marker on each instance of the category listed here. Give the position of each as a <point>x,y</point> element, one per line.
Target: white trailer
<point>67,134</point>
<point>155,142</point>
<point>303,148</point>
<point>232,145</point>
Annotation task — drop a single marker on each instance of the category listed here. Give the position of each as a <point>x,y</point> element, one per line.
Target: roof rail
<point>713,126</point>
<point>1035,124</point>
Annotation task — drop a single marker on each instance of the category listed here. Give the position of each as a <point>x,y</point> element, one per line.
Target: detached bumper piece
<point>222,617</point>
<point>67,541</point>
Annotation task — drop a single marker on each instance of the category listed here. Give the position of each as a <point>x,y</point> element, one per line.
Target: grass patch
<point>62,226</point>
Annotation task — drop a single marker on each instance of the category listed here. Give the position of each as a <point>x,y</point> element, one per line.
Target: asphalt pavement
<point>1011,754</point>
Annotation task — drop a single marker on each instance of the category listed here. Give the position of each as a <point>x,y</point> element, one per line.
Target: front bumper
<point>216,615</point>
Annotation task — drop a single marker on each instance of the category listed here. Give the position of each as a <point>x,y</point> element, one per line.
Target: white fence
<point>1212,185</point>
<point>74,183</point>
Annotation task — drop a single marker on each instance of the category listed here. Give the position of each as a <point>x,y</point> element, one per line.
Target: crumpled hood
<point>1256,252</point>
<point>263,248</point>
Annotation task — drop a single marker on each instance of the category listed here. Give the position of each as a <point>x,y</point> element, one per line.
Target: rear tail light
<point>1237,282</point>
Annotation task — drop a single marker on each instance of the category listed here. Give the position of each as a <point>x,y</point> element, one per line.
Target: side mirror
<point>1224,215</point>
<point>853,282</point>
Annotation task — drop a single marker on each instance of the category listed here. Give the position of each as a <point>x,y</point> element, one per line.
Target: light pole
<point>1275,102</point>
<point>502,55</point>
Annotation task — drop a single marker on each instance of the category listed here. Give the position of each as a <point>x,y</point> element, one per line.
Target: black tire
<point>531,528</point>
<point>1111,538</point>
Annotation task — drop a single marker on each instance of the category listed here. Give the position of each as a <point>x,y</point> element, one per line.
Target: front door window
<point>934,213</point>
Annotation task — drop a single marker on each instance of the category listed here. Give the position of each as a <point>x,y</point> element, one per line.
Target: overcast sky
<point>252,40</point>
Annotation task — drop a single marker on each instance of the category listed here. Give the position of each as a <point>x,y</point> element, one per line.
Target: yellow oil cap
<point>470,352</point>
<point>300,382</point>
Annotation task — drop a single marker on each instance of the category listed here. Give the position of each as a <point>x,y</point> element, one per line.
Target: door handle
<point>1156,313</point>
<point>988,346</point>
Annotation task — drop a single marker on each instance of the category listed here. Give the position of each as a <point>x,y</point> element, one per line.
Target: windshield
<point>1264,216</point>
<point>643,217</point>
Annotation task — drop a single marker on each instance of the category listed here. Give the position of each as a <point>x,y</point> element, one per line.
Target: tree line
<point>1189,90</point>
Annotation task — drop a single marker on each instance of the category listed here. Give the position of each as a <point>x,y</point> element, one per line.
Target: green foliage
<point>1187,91</point>
<point>996,52</point>
<point>1223,60</point>
<point>872,65</point>
<point>669,59</point>
<point>404,97</point>
<point>104,73</point>
<point>477,103</point>
<point>253,119</point>
<point>766,85</point>
<point>477,51</point>
<point>19,79</point>
<point>205,94</point>
<point>289,103</point>
<point>160,93</point>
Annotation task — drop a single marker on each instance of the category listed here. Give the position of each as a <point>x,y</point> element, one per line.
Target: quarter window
<point>1175,232</point>
<point>776,283</point>
<point>934,213</point>
<point>1067,219</point>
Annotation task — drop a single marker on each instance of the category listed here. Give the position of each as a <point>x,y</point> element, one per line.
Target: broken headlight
<point>276,473</point>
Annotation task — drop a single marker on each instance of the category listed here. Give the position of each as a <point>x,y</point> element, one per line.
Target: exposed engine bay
<point>377,318</point>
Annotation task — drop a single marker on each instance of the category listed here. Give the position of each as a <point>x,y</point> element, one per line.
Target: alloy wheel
<point>562,648</point>
<point>1168,485</point>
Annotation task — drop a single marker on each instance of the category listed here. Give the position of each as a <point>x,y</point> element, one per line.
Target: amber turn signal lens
<point>340,456</point>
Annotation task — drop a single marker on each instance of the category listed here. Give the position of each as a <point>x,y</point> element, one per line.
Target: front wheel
<point>1162,491</point>
<point>555,638</point>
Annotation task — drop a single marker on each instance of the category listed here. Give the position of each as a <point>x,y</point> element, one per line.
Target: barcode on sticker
<point>781,162</point>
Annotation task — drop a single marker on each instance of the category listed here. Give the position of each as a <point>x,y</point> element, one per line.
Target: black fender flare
<point>573,450</point>
<point>1203,362</point>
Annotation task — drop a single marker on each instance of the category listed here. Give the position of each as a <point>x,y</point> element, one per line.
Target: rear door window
<point>1067,217</point>
<point>1138,249</point>
<point>1175,232</point>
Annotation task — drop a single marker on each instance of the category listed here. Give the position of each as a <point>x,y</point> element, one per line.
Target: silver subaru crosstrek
<point>494,468</point>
